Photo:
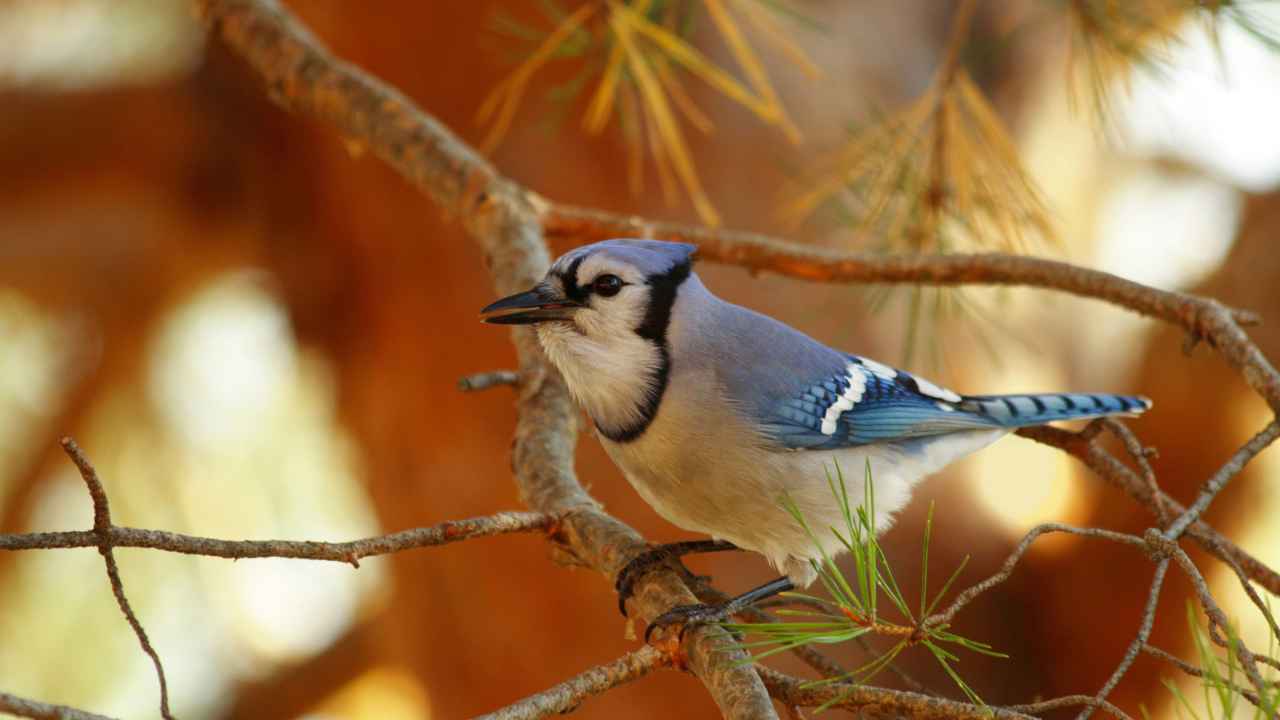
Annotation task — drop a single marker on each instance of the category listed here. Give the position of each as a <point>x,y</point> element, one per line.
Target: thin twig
<point>1006,570</point>
<point>1194,671</point>
<point>1083,447</point>
<point>1135,647</point>
<point>873,702</point>
<point>1066,701</point>
<point>350,552</point>
<point>1141,456</point>
<point>484,381</point>
<point>1219,480</point>
<point>1253,596</point>
<point>1248,661</point>
<point>568,695</point>
<point>24,708</point>
<point>102,532</point>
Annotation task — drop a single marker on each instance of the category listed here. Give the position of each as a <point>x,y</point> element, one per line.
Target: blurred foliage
<point>638,53</point>
<point>1110,39</point>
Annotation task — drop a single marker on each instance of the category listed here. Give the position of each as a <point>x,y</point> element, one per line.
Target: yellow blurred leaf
<point>765,24</point>
<point>685,54</point>
<point>667,127</point>
<point>507,94</point>
<point>750,64</point>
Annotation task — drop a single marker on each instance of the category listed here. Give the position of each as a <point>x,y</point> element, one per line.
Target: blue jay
<point>714,412</point>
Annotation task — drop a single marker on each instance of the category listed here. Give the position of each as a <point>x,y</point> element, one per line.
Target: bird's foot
<point>640,564</point>
<point>657,556</point>
<point>687,617</point>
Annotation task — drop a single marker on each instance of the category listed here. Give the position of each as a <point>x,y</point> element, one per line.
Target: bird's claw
<point>687,617</point>
<point>634,570</point>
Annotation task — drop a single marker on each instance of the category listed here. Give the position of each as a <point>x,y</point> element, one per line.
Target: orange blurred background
<point>256,331</point>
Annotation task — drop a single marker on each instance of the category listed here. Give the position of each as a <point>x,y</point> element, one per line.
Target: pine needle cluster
<point>638,54</point>
<point>867,603</point>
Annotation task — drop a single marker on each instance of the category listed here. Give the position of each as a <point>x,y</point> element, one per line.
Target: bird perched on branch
<point>716,413</point>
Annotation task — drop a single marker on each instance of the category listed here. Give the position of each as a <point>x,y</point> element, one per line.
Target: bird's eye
<point>607,285</point>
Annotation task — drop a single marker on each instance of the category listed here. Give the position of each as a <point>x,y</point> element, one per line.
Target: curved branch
<point>1084,447</point>
<point>101,533</point>
<point>568,695</point>
<point>509,223</point>
<point>1203,318</point>
<point>303,76</point>
<point>875,702</point>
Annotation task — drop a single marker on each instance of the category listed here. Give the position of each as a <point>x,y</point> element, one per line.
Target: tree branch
<point>302,76</point>
<point>509,222</point>
<point>568,695</point>
<point>1203,318</point>
<point>22,707</point>
<point>1006,570</point>
<point>1135,647</point>
<point>484,381</point>
<point>350,552</point>
<point>873,702</point>
<point>1219,480</point>
<point>101,532</point>
<point>1084,447</point>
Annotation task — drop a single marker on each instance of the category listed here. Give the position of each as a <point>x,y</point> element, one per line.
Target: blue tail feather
<point>1022,410</point>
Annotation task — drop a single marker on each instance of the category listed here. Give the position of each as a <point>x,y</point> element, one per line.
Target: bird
<point>721,417</point>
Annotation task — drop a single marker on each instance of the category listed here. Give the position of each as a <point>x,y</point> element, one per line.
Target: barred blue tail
<point>1022,410</point>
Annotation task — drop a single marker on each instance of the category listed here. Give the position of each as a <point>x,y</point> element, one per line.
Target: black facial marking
<point>569,277</point>
<point>662,297</point>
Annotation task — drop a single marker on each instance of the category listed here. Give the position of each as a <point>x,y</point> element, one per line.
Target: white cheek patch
<point>846,401</point>
<point>934,391</point>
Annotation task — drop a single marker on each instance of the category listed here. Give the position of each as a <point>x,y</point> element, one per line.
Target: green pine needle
<point>853,610</point>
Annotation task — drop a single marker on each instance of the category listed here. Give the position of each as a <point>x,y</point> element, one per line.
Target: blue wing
<point>871,403</point>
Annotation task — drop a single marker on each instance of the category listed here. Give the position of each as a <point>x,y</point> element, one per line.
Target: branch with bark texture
<point>350,552</point>
<point>1202,318</point>
<point>22,707</point>
<point>566,696</point>
<point>509,223</point>
<point>302,76</point>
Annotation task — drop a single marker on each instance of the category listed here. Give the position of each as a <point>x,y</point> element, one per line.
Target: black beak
<point>537,305</point>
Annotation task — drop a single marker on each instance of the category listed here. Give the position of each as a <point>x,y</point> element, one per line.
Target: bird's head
<point>612,288</point>
<point>602,314</point>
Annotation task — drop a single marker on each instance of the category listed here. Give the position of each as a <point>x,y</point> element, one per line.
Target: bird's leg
<point>660,555</point>
<point>688,615</point>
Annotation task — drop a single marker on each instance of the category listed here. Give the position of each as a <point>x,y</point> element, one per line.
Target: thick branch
<point>304,77</point>
<point>569,694</point>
